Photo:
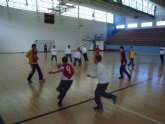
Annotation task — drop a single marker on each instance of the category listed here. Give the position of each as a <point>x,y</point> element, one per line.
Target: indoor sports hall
<point>107,25</point>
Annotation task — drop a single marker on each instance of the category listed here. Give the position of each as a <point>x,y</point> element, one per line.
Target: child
<point>66,80</point>
<point>54,53</point>
<point>97,50</point>
<point>123,60</point>
<point>33,61</point>
<point>68,53</point>
<point>77,57</point>
<point>162,51</point>
<point>103,82</point>
<point>131,57</point>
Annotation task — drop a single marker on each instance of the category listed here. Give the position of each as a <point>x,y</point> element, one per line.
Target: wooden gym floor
<point>140,101</point>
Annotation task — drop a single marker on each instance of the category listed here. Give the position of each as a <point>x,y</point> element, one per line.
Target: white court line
<point>158,122</point>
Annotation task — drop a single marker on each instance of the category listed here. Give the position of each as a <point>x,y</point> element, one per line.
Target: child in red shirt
<point>97,50</point>
<point>66,80</point>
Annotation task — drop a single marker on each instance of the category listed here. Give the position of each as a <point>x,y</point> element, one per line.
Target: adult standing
<point>162,51</point>
<point>33,61</point>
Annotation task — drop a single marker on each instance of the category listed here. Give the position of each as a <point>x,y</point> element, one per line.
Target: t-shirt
<point>68,72</point>
<point>123,57</point>
<point>68,51</point>
<point>77,55</point>
<point>97,50</point>
<point>162,50</point>
<point>53,51</point>
<point>84,50</point>
<point>101,74</point>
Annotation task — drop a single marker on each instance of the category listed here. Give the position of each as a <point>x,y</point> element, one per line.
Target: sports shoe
<point>98,108</point>
<point>59,103</point>
<point>42,80</point>
<point>129,78</point>
<point>114,99</point>
<point>29,81</point>
<point>120,77</point>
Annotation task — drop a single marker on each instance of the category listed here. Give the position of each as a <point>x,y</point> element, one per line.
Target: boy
<point>103,82</point>
<point>97,50</point>
<point>77,57</point>
<point>123,60</point>
<point>33,61</point>
<point>68,53</point>
<point>162,51</point>
<point>54,53</point>
<point>131,57</point>
<point>66,80</point>
<point>84,52</point>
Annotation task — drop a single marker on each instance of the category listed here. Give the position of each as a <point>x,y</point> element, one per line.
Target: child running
<point>103,82</point>
<point>66,80</point>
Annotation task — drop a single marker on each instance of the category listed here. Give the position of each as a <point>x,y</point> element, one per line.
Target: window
<point>100,16</point>
<point>141,5</point>
<point>53,6</point>
<point>133,25</point>
<point>110,18</point>
<point>86,13</point>
<point>146,24</point>
<point>160,23</point>
<point>120,26</point>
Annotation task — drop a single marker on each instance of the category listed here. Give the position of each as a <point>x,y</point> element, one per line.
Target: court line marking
<point>134,84</point>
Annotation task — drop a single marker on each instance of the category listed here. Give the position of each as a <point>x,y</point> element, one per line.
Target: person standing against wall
<point>33,61</point>
<point>123,60</point>
<point>68,53</point>
<point>162,51</point>
<point>45,48</point>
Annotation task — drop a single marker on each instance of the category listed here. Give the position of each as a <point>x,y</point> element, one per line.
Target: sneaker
<point>98,108</point>
<point>120,77</point>
<point>29,81</point>
<point>129,78</point>
<point>59,103</point>
<point>114,99</point>
<point>42,80</point>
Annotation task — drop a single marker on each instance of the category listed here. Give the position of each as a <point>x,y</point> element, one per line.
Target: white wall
<point>19,29</point>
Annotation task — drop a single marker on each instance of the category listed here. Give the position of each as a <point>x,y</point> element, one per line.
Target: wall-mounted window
<point>133,25</point>
<point>142,5</point>
<point>160,23</point>
<point>110,18</point>
<point>146,24</point>
<point>120,26</point>
<point>54,6</point>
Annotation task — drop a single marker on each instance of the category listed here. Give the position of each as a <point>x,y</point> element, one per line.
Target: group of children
<point>68,72</point>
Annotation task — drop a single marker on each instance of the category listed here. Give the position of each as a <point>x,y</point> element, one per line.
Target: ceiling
<point>118,9</point>
<point>159,2</point>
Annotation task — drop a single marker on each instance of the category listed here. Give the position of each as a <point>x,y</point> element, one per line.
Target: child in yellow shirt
<point>131,57</point>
